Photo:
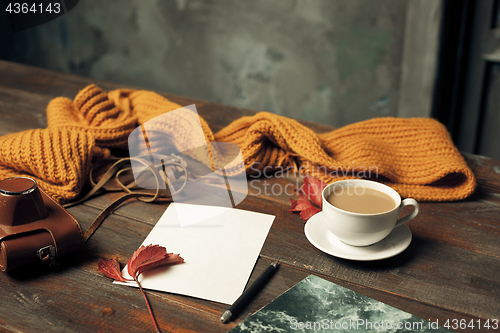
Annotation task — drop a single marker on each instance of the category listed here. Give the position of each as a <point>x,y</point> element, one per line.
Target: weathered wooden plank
<point>426,266</point>
<point>355,275</point>
<point>427,271</point>
<point>457,268</point>
<point>45,82</point>
<point>21,111</point>
<point>478,228</point>
<point>74,300</point>
<point>486,170</point>
<point>119,237</point>
<point>118,308</point>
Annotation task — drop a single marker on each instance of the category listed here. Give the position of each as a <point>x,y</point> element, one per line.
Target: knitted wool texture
<point>414,156</point>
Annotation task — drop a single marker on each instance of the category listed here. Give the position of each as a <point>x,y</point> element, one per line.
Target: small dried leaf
<point>145,258</point>
<point>111,268</point>
<point>306,214</point>
<point>300,204</point>
<point>169,260</point>
<point>149,257</point>
<point>312,188</point>
<point>304,206</point>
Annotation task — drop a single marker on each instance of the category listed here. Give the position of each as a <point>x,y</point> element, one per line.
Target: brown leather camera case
<point>34,227</point>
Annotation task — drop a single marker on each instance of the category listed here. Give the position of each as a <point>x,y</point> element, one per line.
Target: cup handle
<point>404,203</point>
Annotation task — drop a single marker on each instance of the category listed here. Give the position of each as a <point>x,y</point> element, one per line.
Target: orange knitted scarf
<point>414,156</point>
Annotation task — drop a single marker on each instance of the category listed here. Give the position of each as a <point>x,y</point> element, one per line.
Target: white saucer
<point>318,234</point>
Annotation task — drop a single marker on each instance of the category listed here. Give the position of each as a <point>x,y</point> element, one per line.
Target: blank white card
<point>220,247</point>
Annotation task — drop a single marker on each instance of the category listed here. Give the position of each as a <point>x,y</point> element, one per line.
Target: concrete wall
<point>330,61</point>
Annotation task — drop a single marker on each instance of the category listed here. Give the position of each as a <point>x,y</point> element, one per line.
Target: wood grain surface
<point>450,270</point>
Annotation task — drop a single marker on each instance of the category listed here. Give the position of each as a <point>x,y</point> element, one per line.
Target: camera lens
<point>20,201</point>
<point>17,185</point>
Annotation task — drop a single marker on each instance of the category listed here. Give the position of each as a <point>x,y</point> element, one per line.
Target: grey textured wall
<point>330,61</point>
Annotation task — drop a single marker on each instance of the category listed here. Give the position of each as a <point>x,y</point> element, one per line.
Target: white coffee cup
<point>359,229</point>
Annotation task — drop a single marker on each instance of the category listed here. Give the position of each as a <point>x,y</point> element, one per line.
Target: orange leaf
<point>304,206</point>
<point>145,258</point>
<point>306,214</point>
<point>149,257</point>
<point>300,204</point>
<point>312,188</point>
<point>111,268</point>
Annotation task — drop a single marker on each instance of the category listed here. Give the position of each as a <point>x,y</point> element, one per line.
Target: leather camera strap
<point>115,171</point>
<point>108,210</point>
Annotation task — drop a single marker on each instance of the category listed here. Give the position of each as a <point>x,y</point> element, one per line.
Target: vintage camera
<point>34,227</point>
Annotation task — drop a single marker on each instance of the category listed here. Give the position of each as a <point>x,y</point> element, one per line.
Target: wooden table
<point>451,270</point>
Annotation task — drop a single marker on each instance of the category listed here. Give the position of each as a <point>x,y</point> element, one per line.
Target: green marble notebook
<point>317,305</point>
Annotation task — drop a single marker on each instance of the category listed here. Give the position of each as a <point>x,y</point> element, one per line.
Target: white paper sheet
<point>220,250</point>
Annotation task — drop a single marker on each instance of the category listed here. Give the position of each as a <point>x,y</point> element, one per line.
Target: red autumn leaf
<point>111,268</point>
<point>300,204</point>
<point>304,206</point>
<point>312,188</point>
<point>306,214</point>
<point>149,257</point>
<point>145,258</point>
